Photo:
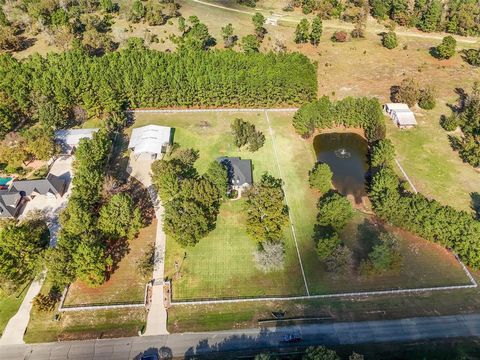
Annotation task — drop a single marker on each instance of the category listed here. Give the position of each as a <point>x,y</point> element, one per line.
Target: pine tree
<point>302,32</point>
<point>317,30</point>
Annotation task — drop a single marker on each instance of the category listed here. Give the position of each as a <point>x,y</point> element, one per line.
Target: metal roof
<point>72,137</point>
<point>149,139</point>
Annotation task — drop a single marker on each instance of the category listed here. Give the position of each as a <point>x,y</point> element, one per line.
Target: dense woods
<point>350,112</point>
<point>145,78</point>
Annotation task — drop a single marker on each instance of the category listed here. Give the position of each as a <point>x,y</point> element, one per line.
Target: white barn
<point>401,115</point>
<point>70,138</point>
<point>150,139</point>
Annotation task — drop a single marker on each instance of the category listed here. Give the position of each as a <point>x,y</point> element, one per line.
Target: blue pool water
<point>5,181</point>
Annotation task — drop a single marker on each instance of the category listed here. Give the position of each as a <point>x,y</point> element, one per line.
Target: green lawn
<point>428,159</point>
<point>9,304</point>
<point>425,264</point>
<point>221,265</point>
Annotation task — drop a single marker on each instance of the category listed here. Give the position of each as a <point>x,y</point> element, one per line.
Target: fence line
<point>100,306</point>
<point>270,130</point>
<point>172,111</point>
<point>406,176</point>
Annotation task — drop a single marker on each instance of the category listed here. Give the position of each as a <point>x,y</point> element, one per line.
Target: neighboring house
<point>70,138</point>
<point>153,140</point>
<point>239,172</point>
<point>12,199</point>
<point>401,115</point>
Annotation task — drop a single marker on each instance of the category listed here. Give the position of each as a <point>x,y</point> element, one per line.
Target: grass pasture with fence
<point>221,265</point>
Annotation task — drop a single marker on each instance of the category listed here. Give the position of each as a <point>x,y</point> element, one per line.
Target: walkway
<point>157,314</point>
<point>191,344</point>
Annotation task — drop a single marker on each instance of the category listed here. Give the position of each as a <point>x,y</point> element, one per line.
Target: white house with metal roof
<point>151,139</point>
<point>401,115</point>
<point>70,138</point>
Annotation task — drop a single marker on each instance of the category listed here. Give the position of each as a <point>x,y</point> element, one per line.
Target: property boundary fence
<point>101,306</point>
<point>473,284</point>
<point>173,111</point>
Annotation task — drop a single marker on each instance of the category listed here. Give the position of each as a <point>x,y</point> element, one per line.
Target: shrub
<point>270,256</point>
<point>326,240</point>
<point>340,36</point>
<point>449,123</point>
<point>390,40</point>
<point>46,303</point>
<point>320,177</point>
<point>427,98</point>
<point>472,56</point>
<point>340,262</point>
<point>408,92</point>
<point>446,49</point>
<point>334,210</point>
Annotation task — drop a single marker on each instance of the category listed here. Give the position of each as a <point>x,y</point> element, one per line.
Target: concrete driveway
<point>139,168</point>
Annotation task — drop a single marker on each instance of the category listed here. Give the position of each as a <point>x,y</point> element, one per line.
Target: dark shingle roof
<point>51,184</point>
<point>239,171</point>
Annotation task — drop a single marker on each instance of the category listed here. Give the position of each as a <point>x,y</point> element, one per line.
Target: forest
<point>460,17</point>
<point>140,78</point>
<point>350,112</point>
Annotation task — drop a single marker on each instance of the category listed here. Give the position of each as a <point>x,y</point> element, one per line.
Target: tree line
<point>453,229</point>
<point>87,246</point>
<point>466,115</point>
<point>361,112</point>
<point>135,78</point>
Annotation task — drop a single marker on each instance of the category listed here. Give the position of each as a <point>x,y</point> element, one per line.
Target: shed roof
<point>149,139</point>
<point>72,137</point>
<point>405,117</point>
<point>239,171</point>
<point>396,106</point>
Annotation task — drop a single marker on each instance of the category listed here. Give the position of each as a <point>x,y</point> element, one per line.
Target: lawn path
<point>270,130</point>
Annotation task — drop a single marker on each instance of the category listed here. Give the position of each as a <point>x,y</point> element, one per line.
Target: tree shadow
<point>162,353</point>
<point>141,199</point>
<point>475,202</point>
<point>117,249</point>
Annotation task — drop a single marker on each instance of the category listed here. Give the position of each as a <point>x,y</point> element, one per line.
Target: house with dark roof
<point>239,172</point>
<point>19,191</point>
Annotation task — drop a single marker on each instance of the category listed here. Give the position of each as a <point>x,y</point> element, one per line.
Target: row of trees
<point>453,229</point>
<point>350,112</point>
<point>191,201</point>
<point>88,242</point>
<point>467,116</point>
<point>453,16</point>
<point>267,216</point>
<point>303,34</point>
<point>145,78</point>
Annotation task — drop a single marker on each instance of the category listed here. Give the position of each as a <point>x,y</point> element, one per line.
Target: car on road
<point>292,338</point>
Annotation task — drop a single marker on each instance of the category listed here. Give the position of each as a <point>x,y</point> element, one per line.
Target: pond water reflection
<point>346,154</point>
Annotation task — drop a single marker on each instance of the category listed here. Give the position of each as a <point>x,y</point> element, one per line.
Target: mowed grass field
<point>221,265</point>
<point>126,285</point>
<point>434,167</point>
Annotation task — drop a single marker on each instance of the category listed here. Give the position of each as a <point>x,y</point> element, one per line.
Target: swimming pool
<point>5,180</point>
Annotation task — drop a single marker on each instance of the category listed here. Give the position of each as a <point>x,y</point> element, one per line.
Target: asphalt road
<point>405,330</point>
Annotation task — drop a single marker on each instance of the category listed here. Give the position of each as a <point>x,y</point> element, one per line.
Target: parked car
<point>292,338</point>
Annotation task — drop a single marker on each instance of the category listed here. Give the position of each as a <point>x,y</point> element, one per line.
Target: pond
<point>346,154</point>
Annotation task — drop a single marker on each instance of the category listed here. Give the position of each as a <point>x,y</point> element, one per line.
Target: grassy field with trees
<point>215,267</point>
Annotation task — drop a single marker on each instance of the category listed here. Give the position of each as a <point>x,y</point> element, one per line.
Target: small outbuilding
<point>69,139</point>
<point>239,172</point>
<point>151,139</point>
<point>401,115</point>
